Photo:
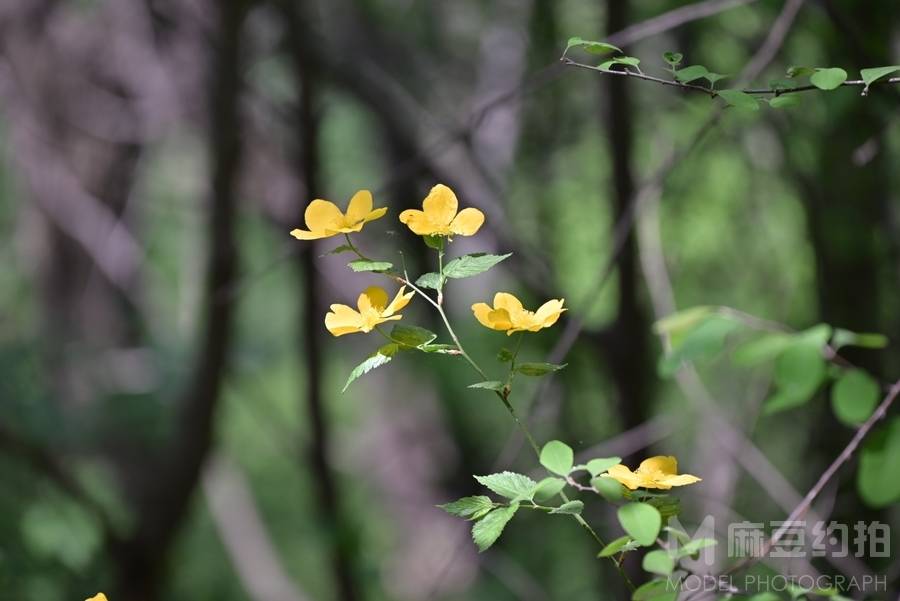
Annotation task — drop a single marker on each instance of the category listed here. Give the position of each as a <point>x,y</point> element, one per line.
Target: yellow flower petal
<point>98,597</point>
<point>467,222</point>
<point>322,216</point>
<point>305,235</point>
<point>625,476</point>
<point>418,222</point>
<point>400,301</point>
<point>505,300</point>
<point>440,205</point>
<point>548,313</point>
<point>680,480</point>
<point>500,319</point>
<point>376,214</point>
<point>661,464</point>
<point>343,320</point>
<point>481,311</point>
<point>360,206</point>
<point>372,298</point>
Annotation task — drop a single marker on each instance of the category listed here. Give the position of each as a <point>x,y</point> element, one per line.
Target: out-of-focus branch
<point>244,534</point>
<point>673,19</point>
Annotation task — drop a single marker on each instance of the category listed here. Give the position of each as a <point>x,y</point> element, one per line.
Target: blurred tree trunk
<point>165,488</point>
<point>340,535</point>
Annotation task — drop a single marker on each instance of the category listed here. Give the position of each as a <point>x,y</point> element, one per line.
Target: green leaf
<point>619,545</point>
<point>608,488</point>
<point>511,485</point>
<point>765,347</point>
<point>628,61</point>
<point>879,464</point>
<point>693,547</point>
<point>470,508</point>
<point>854,397</point>
<point>870,76</point>
<point>429,280</point>
<point>505,355</point>
<point>468,265</point>
<point>658,562</point>
<point>557,457</point>
<point>486,531</point>
<point>794,72</point>
<point>538,369</point>
<point>682,321</point>
<point>656,590</point>
<point>446,349</point>
<point>673,58</point>
<point>548,488</point>
<point>844,338</point>
<point>828,79</point>
<point>435,242</point>
<point>489,385</point>
<point>703,342</point>
<point>739,100</point>
<point>680,535</point>
<point>363,265</point>
<point>569,508</point>
<point>799,371</point>
<point>784,101</point>
<point>413,336</point>
<point>692,73</point>
<point>376,360</point>
<point>713,78</point>
<point>641,521</point>
<point>338,250</point>
<point>591,46</point>
<point>765,596</point>
<point>600,465</point>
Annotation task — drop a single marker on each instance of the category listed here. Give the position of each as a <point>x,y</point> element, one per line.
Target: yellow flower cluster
<point>98,597</point>
<point>656,472</point>
<point>440,216</point>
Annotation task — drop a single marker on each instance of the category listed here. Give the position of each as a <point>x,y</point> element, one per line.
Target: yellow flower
<point>98,597</point>
<point>373,307</point>
<point>324,219</point>
<point>657,472</point>
<point>510,316</point>
<point>439,217</point>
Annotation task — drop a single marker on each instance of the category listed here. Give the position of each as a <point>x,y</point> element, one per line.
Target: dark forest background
<point>171,422</point>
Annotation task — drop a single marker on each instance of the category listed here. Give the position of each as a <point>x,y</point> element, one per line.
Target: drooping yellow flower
<point>440,217</point>
<point>508,315</point>
<point>656,472</point>
<point>98,597</point>
<point>324,219</point>
<point>373,308</point>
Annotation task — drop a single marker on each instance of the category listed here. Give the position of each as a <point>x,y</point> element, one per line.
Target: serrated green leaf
<point>376,360</point>
<point>591,47</point>
<point>614,547</point>
<point>828,79</point>
<point>511,485</point>
<point>854,397</point>
<point>486,531</point>
<point>429,280</point>
<point>692,73</point>
<point>489,385</point>
<point>600,465</point>
<point>799,371</point>
<point>794,72</point>
<point>557,457</point>
<point>361,265</point>
<point>447,349</point>
<point>870,76</point>
<point>412,336</point>
<point>844,338</point>
<point>658,562</point>
<point>673,58</point>
<point>467,266</point>
<point>469,507</point>
<point>538,369</point>
<point>548,488</point>
<point>739,100</point>
<point>569,508</point>
<point>695,546</point>
<point>608,488</point>
<point>641,521</point>
<point>784,101</point>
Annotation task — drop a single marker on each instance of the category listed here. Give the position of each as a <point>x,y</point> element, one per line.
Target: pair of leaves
<point>591,47</point>
<point>695,72</point>
<point>465,266</point>
<point>490,520</point>
<point>827,78</point>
